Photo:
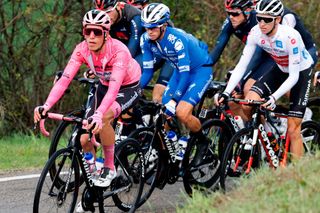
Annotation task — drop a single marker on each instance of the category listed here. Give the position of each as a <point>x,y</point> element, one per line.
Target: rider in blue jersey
<point>192,68</point>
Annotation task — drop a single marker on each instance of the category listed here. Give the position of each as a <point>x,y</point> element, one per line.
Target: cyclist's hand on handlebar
<point>270,103</point>
<point>221,98</point>
<point>96,122</point>
<point>40,112</point>
<point>89,74</point>
<point>316,79</point>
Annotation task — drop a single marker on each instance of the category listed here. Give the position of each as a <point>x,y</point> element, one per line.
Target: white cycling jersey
<point>285,47</point>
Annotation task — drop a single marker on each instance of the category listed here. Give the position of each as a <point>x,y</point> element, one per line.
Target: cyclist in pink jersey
<point>118,89</point>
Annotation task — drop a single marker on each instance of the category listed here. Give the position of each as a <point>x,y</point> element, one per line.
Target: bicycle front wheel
<point>145,136</point>
<point>55,193</point>
<point>310,132</point>
<point>236,157</point>
<point>129,162</point>
<point>207,174</point>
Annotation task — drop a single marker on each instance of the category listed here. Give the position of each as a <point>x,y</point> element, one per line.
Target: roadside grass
<point>23,152</point>
<point>295,189</point>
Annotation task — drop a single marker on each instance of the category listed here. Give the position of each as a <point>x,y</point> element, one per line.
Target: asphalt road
<point>17,195</point>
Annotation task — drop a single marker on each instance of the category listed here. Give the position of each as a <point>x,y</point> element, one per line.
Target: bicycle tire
<point>144,136</point>
<point>58,142</point>
<point>56,191</point>
<point>313,104</point>
<point>232,151</point>
<point>206,175</point>
<point>129,162</point>
<point>310,131</point>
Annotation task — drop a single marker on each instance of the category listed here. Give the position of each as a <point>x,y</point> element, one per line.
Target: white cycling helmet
<point>270,7</point>
<point>155,15</point>
<point>97,17</point>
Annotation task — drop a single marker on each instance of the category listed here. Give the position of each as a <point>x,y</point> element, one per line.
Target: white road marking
<point>22,177</point>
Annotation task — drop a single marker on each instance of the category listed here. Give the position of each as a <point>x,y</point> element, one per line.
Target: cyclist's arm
<point>222,41</point>
<point>148,64</point>
<point>62,84</point>
<point>242,65</point>
<point>118,73</point>
<point>136,31</point>
<point>294,69</point>
<point>183,67</point>
<point>289,20</point>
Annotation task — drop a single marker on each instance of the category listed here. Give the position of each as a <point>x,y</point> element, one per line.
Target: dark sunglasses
<point>265,19</point>
<point>234,14</point>
<point>96,32</point>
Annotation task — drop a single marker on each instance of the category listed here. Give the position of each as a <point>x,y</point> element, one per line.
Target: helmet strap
<point>274,26</point>
<point>104,41</point>
<point>119,15</point>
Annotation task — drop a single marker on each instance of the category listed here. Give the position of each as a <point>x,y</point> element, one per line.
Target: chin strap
<point>274,26</point>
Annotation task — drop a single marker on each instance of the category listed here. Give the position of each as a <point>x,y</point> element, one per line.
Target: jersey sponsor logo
<point>181,56</point>
<point>171,38</point>
<point>293,41</point>
<point>279,44</point>
<point>263,41</point>
<point>305,54</point>
<point>178,45</point>
<point>295,50</point>
<point>78,53</point>
<point>184,68</point>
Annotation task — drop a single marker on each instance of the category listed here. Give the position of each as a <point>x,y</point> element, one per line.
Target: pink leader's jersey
<point>113,65</point>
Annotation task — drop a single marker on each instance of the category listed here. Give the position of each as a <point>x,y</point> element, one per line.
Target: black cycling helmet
<point>104,4</point>
<point>241,4</point>
<point>138,1</point>
<point>270,7</point>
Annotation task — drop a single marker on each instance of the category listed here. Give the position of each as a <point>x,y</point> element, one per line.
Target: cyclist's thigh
<point>299,94</point>
<point>269,83</point>
<point>127,97</point>
<point>199,81</point>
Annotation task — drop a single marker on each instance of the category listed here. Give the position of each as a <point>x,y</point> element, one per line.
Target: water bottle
<point>239,121</point>
<point>99,165</point>
<point>88,156</point>
<point>183,142</point>
<point>273,142</point>
<point>171,144</point>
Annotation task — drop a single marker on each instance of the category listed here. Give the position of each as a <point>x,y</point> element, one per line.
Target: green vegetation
<point>295,189</point>
<point>23,152</point>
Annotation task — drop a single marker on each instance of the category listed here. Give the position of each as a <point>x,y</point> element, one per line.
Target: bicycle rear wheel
<point>55,193</point>
<point>236,158</point>
<point>310,131</point>
<point>207,174</point>
<point>129,162</point>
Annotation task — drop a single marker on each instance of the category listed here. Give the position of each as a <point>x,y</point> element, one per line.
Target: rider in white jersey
<point>293,71</point>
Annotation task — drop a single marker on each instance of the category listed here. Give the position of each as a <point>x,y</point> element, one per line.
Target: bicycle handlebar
<point>247,101</point>
<point>61,117</point>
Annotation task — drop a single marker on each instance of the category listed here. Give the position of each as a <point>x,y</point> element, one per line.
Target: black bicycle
<point>58,186</point>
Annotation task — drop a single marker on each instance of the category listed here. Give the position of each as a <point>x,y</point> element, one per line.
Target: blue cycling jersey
<point>184,51</point>
<point>129,30</point>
